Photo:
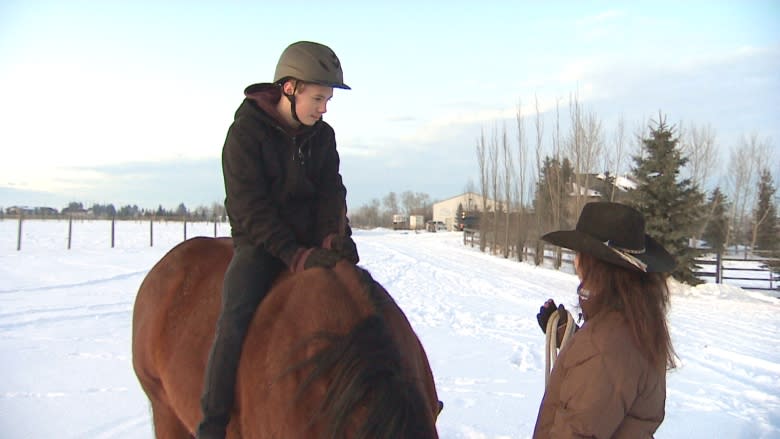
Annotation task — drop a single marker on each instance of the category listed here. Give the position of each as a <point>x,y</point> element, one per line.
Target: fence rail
<point>761,276</point>
<point>753,274</point>
<point>546,254</point>
<point>28,231</point>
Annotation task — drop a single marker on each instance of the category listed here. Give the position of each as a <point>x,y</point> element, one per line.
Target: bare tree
<point>522,158</point>
<point>637,139</point>
<point>764,208</point>
<point>390,201</point>
<point>698,144</point>
<point>584,146</point>
<point>367,215</point>
<point>618,144</point>
<point>554,187</point>
<point>745,161</point>
<point>522,176</point>
<point>539,126</point>
<point>493,154</point>
<point>507,177</point>
<point>218,210</point>
<point>699,147</point>
<point>409,201</point>
<point>424,206</point>
<point>483,183</point>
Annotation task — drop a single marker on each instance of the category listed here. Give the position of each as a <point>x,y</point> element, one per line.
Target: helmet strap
<point>291,98</point>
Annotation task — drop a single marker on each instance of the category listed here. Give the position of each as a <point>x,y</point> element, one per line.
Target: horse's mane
<point>367,374</point>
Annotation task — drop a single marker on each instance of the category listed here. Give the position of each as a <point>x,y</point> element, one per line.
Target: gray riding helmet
<point>310,62</point>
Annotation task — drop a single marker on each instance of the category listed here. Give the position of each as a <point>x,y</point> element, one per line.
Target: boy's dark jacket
<point>283,188</point>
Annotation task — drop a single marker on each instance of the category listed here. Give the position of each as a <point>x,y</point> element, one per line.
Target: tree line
<point>539,180</point>
<point>541,185</point>
<point>108,211</point>
<point>378,213</point>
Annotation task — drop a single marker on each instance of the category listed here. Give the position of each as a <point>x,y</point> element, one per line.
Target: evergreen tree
<point>765,215</point>
<point>717,227</point>
<point>182,211</point>
<point>671,205</point>
<point>552,194</point>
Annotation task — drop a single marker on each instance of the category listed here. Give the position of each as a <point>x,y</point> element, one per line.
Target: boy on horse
<point>285,200</point>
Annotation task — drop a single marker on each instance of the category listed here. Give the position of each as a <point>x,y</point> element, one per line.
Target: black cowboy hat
<point>614,233</point>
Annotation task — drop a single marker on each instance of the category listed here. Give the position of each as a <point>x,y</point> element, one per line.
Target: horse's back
<point>175,317</point>
<point>176,311</point>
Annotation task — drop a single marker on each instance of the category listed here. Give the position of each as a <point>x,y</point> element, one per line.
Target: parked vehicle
<point>435,226</point>
<point>467,222</point>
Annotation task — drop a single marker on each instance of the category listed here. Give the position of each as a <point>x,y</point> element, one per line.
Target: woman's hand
<point>546,311</point>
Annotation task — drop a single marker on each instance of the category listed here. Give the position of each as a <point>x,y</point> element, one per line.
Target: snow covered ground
<point>65,321</point>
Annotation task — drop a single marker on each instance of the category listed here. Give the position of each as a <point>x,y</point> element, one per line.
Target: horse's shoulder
<point>205,243</point>
<point>201,246</point>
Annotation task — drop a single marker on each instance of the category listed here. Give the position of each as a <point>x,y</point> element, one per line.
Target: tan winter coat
<point>602,387</point>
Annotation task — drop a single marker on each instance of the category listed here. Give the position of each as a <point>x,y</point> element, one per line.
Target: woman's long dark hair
<point>642,298</point>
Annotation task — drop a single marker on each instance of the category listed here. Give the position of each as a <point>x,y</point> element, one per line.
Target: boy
<point>285,200</point>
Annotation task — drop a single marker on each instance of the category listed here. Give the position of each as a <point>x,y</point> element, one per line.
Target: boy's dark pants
<point>247,280</point>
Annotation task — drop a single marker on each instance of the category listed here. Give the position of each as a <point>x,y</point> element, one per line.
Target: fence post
<point>19,234</point>
<point>539,254</point>
<point>718,268</point>
<point>185,229</point>
<point>151,233</point>
<point>70,230</point>
<point>215,227</point>
<point>113,219</point>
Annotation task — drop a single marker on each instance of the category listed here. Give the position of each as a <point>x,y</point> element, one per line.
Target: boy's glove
<point>547,310</point>
<point>344,245</point>
<point>315,257</point>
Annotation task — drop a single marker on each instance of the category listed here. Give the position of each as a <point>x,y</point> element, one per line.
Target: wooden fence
<point>113,221</point>
<point>545,254</point>
<point>755,274</point>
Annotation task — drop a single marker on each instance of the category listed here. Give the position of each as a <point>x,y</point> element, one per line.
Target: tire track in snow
<point>90,282</point>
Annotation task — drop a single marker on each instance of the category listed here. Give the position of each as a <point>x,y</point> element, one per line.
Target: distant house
<point>75,212</point>
<point>46,211</point>
<point>446,210</point>
<point>19,210</point>
<point>600,186</point>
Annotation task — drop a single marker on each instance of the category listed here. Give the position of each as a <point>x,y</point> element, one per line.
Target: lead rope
<point>551,351</point>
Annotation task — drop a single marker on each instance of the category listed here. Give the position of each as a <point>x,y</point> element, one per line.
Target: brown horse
<point>329,354</point>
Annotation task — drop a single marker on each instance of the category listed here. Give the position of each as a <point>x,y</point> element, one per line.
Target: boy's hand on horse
<point>314,257</point>
<point>342,244</point>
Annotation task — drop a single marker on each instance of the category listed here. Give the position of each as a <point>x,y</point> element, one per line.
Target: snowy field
<point>65,322</point>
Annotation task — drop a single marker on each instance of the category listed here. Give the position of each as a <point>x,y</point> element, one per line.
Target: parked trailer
<point>400,222</point>
<point>416,222</point>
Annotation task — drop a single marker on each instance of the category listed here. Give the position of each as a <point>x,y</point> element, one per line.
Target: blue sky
<point>129,102</point>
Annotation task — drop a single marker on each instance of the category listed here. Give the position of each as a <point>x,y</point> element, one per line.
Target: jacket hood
<point>266,96</point>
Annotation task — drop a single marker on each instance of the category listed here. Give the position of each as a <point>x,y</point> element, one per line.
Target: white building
<point>445,210</point>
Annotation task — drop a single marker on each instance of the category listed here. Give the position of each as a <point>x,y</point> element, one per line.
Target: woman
<point>609,380</point>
